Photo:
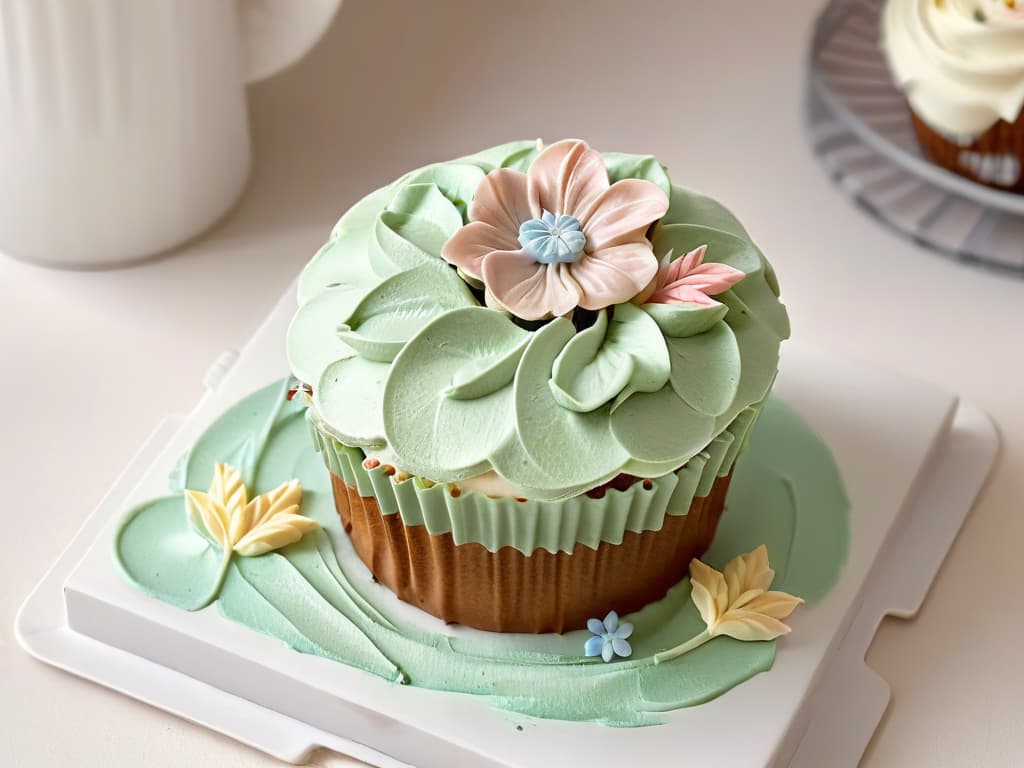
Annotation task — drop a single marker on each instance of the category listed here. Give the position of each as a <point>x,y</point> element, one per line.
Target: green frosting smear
<point>396,345</point>
<point>786,493</point>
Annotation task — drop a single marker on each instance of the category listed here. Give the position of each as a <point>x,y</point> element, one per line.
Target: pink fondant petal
<point>528,289</point>
<point>679,293</point>
<point>501,200</point>
<point>567,177</point>
<point>713,278</point>
<point>623,213</point>
<point>614,275</point>
<point>685,264</point>
<point>468,246</point>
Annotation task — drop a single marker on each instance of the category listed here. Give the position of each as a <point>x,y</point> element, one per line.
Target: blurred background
<point>92,360</point>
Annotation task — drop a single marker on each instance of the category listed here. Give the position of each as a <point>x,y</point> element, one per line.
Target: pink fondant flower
<point>689,279</point>
<point>559,236</point>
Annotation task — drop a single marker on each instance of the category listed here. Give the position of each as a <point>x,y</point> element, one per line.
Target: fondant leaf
<point>685,319</point>
<point>548,433</point>
<point>621,165</point>
<point>342,259</point>
<point>412,229</point>
<point>611,360</point>
<point>479,378</point>
<point>349,397</point>
<point>397,309</point>
<point>523,159</point>
<point>425,425</point>
<point>689,207</point>
<point>502,156</point>
<point>209,517</point>
<point>706,369</point>
<point>707,588</point>
<point>271,521</point>
<point>722,247</point>
<point>456,181</point>
<point>639,426</point>
<point>759,350</point>
<point>313,342</point>
<point>427,203</point>
<point>268,522</point>
<point>159,551</point>
<point>737,602</point>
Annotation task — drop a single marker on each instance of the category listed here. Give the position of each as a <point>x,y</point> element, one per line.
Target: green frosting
<point>405,363</point>
<point>786,493</point>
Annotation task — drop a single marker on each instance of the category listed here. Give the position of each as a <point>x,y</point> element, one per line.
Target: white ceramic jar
<point>123,123</point>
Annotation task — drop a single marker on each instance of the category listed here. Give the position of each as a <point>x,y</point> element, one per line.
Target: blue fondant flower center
<point>553,238</point>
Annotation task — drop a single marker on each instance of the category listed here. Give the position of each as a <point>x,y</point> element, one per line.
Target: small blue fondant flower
<point>553,239</point>
<point>610,637</point>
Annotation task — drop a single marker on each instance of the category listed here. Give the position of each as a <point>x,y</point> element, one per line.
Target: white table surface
<point>90,361</point>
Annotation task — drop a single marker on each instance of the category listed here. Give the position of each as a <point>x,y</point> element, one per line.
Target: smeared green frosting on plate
<point>317,597</point>
<point>406,364</point>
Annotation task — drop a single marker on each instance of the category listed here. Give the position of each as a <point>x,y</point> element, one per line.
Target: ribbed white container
<point>123,124</point>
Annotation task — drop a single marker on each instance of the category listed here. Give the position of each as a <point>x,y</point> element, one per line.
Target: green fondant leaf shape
<point>639,427</point>
<point>342,261</point>
<point>621,165</point>
<point>685,318</point>
<point>706,369</point>
<point>723,247</point>
<point>759,350</point>
<point>687,206</point>
<point>611,361</point>
<point>397,309</point>
<point>246,446</point>
<point>515,154</point>
<point>456,181</point>
<point>349,397</point>
<point>569,449</point>
<point>313,342</point>
<point>158,549</point>
<point>480,378</point>
<point>428,428</point>
<point>412,229</point>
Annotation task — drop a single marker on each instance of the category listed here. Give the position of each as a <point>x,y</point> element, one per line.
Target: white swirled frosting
<point>960,62</point>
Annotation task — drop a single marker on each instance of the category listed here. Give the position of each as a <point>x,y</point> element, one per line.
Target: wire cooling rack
<point>860,127</point>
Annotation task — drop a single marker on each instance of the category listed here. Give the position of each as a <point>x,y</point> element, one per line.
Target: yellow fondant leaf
<point>708,590</point>
<point>750,625</point>
<point>281,531</point>
<point>285,498</point>
<point>210,513</point>
<point>778,605</point>
<point>228,489</point>
<point>268,522</point>
<point>737,602</point>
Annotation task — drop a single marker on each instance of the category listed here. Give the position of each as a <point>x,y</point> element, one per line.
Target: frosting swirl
<point>408,362</point>
<point>960,62</point>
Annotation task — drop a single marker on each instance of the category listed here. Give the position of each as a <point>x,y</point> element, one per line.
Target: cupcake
<point>960,64</point>
<point>531,372</point>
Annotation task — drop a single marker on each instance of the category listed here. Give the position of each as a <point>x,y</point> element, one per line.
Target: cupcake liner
<point>507,591</point>
<point>994,159</point>
<point>517,565</point>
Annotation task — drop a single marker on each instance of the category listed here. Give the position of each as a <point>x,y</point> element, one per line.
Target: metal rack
<point>860,128</point>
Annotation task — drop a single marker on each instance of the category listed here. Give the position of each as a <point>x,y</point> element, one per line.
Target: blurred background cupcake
<point>960,64</point>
